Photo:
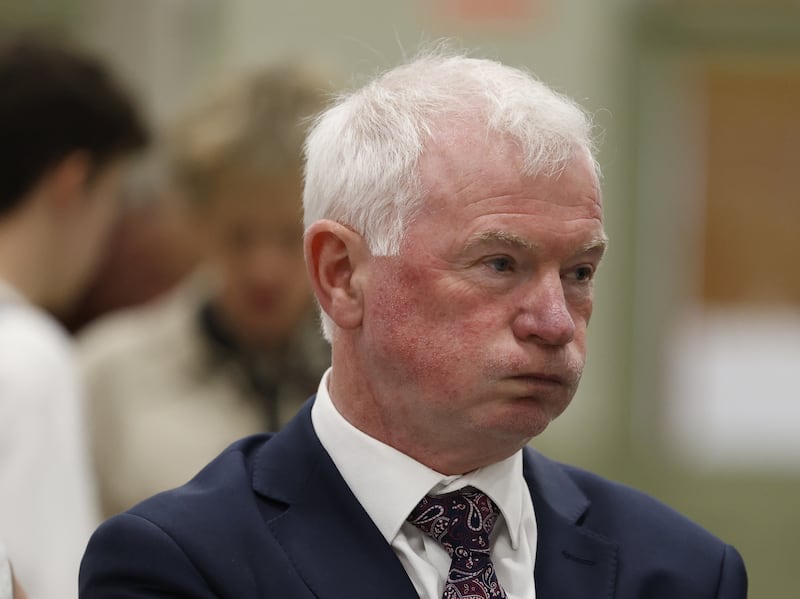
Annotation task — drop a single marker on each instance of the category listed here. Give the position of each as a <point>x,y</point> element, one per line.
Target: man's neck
<point>24,260</point>
<point>351,395</point>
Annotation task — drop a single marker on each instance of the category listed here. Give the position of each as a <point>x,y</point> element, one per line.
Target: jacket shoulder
<point>211,493</point>
<point>193,541</point>
<point>661,552</point>
<point>616,508</point>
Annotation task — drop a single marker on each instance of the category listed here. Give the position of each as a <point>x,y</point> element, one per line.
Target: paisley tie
<point>461,522</point>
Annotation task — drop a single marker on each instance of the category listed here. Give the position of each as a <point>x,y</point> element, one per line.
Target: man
<point>66,130</point>
<point>453,229</point>
<point>235,349</point>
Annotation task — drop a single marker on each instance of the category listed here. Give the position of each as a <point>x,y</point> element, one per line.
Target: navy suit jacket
<point>272,517</point>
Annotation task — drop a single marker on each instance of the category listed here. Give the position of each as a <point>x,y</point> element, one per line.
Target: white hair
<point>362,153</point>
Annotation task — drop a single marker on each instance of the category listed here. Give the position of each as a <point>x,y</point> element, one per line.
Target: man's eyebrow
<point>598,244</point>
<point>502,237</point>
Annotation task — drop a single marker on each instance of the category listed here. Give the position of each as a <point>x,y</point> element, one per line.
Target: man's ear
<point>68,181</point>
<point>335,260</point>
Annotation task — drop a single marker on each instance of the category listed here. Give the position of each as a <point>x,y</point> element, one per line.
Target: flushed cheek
<point>408,339</point>
<point>413,333</point>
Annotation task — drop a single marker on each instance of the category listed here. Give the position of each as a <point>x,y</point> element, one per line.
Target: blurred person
<point>236,348</point>
<point>454,226</point>
<point>67,131</point>
<point>149,251</point>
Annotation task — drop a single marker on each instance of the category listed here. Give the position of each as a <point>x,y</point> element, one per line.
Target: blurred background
<point>691,388</point>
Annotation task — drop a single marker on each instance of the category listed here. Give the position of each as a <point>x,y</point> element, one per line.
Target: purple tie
<point>461,522</point>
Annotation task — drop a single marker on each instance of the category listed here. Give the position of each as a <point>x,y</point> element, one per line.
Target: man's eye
<point>583,273</point>
<point>500,264</point>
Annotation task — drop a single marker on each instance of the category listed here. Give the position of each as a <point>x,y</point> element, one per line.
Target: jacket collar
<point>325,532</point>
<point>571,560</point>
<point>323,523</point>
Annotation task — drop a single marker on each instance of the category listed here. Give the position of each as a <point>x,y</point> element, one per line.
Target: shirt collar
<point>389,484</point>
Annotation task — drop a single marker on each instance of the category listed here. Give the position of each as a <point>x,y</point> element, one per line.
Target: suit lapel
<point>572,562</point>
<point>327,535</point>
<point>340,554</point>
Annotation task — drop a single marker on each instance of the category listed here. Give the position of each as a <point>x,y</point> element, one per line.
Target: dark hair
<point>55,100</point>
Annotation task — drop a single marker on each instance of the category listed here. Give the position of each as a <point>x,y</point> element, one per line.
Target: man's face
<point>476,332</point>
<point>84,231</point>
<point>254,239</point>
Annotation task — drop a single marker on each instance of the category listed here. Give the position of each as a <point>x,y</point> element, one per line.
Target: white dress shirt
<point>389,484</point>
<point>47,503</point>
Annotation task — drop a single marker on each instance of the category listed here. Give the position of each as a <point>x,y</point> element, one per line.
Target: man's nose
<point>544,316</point>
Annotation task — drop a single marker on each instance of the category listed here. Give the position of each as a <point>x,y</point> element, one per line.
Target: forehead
<point>471,172</point>
<point>239,191</point>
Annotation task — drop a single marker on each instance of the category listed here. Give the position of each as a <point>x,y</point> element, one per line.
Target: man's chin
<point>526,418</point>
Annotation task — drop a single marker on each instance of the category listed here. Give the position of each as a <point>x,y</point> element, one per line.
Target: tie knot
<point>459,521</point>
